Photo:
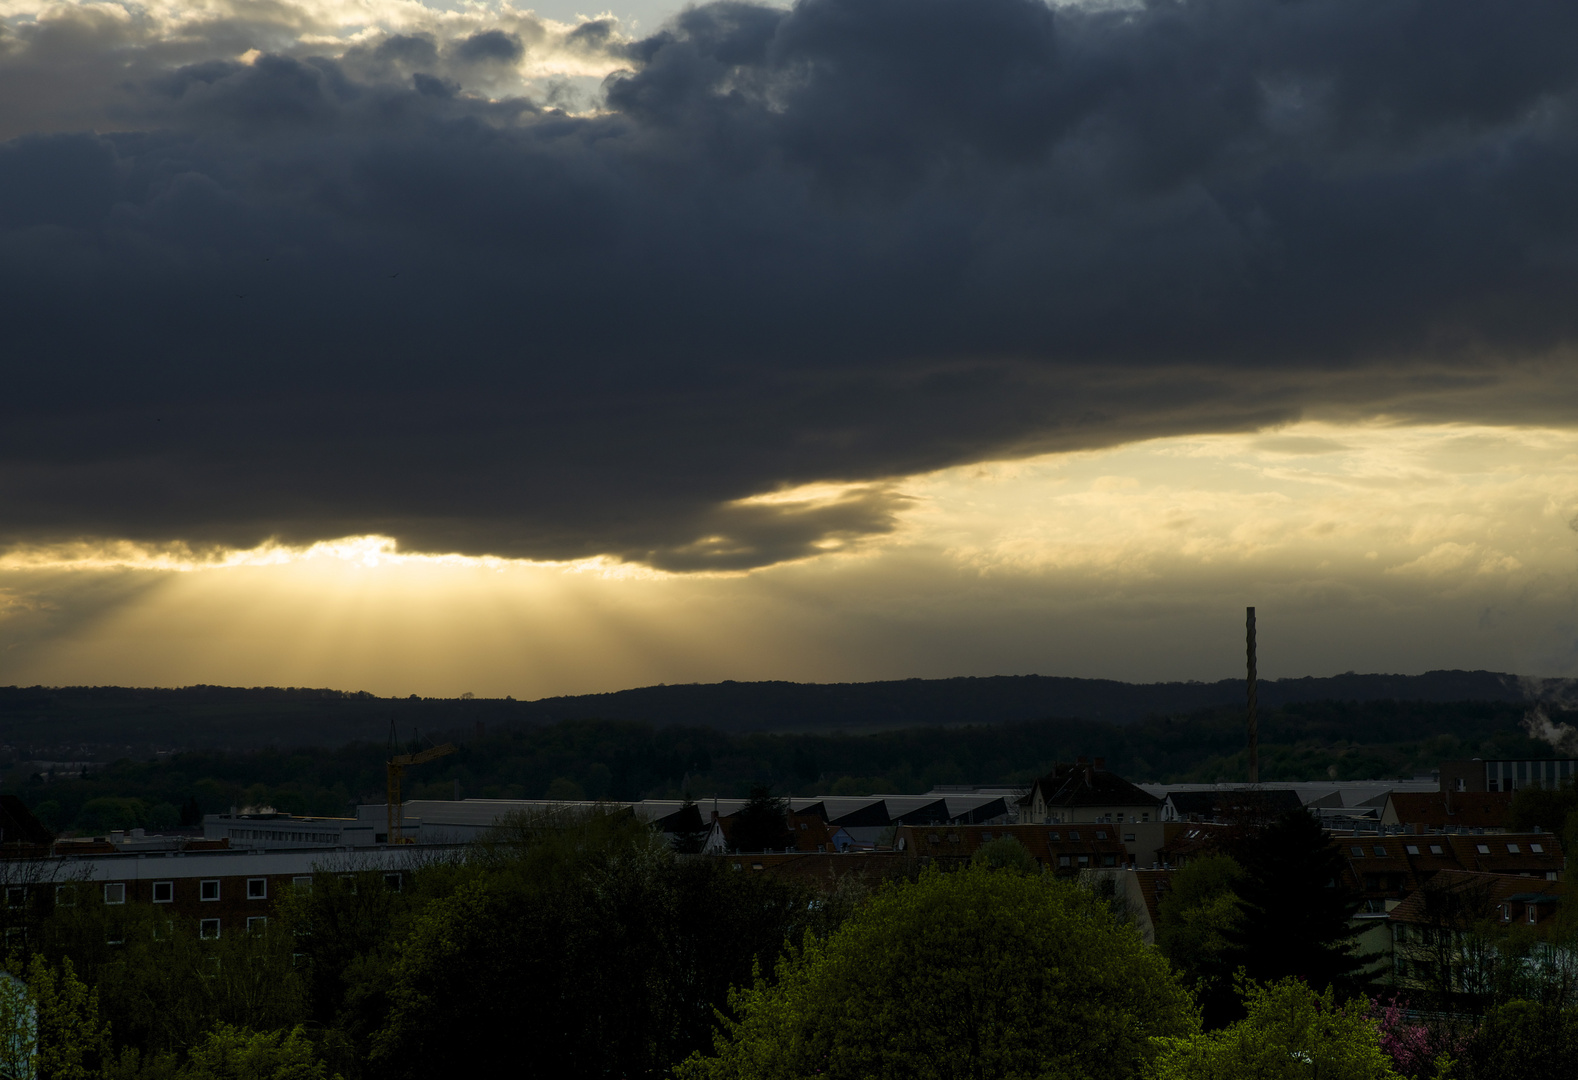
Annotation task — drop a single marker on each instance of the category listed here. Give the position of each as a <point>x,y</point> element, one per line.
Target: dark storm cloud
<point>312,296</point>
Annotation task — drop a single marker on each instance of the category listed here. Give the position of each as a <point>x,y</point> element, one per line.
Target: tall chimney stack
<point>1254,721</point>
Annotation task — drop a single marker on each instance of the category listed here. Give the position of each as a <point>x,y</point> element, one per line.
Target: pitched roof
<point>1083,784</point>
<point>935,813</point>
<point>872,814</point>
<point>18,825</point>
<point>686,819</point>
<point>1464,809</point>
<point>984,812</point>
<point>1394,866</point>
<point>811,831</point>
<point>1046,843</point>
<point>1485,889</point>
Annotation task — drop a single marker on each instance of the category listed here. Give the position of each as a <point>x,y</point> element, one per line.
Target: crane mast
<point>397,766</point>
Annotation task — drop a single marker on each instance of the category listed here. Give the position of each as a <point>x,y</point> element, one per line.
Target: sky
<point>425,348</point>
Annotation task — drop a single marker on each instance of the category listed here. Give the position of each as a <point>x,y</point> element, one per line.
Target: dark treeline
<point>631,760</point>
<point>197,717</point>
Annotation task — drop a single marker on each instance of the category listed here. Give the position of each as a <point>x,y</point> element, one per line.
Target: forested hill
<point>91,720</point>
<point>784,706</point>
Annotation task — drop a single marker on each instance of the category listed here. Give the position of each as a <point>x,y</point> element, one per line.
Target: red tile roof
<point>1463,809</point>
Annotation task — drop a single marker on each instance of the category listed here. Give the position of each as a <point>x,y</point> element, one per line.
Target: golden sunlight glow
<point>329,27</point>
<point>1367,547</point>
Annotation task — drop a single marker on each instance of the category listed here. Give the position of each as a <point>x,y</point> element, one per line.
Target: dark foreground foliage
<point>586,940</point>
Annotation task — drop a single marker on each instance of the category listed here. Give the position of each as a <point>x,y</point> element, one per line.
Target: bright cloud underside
<point>1386,547</point>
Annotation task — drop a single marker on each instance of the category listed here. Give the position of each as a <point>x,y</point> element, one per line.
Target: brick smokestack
<point>1254,720</point>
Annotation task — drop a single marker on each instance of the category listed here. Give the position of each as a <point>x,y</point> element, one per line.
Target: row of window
<point>1101,834</point>
<point>208,929</point>
<point>286,836</point>
<point>1436,849</point>
<point>1064,861</point>
<point>208,889</point>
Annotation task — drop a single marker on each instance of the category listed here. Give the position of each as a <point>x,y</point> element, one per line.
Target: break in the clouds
<point>489,283</point>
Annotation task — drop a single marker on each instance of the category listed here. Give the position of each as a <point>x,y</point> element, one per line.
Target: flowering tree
<point>1417,1050</point>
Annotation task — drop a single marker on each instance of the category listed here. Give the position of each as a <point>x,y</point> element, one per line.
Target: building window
<point>66,895</point>
<point>15,895</point>
<point>1538,849</point>
<point>303,881</point>
<point>1084,860</point>
<point>163,892</point>
<point>1380,852</point>
<point>208,929</point>
<point>1506,912</point>
<point>1435,849</point>
<point>1145,817</point>
<point>115,892</point>
<point>1073,836</point>
<point>257,888</point>
<point>208,890</point>
<point>1054,837</point>
<point>1483,849</point>
<point>1062,860</point>
<point>255,923</point>
<point>1109,860</point>
<point>392,882</point>
<point>1534,914</point>
<point>1128,838</point>
<point>1412,849</point>
<point>1101,834</point>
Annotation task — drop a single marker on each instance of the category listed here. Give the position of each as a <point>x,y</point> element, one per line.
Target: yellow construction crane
<point>397,767</point>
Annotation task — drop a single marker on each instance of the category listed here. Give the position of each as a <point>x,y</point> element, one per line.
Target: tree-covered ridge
<point>618,759</point>
<point>197,717</point>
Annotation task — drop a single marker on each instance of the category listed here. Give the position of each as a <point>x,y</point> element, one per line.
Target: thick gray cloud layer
<point>318,295</point>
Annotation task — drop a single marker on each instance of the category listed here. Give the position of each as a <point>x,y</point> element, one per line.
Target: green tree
<point>691,831</point>
<point>1006,853</point>
<point>233,1053</point>
<point>563,789</point>
<point>762,824</point>
<point>1522,1040</point>
<point>1194,918</point>
<point>1296,909</point>
<point>1548,808</point>
<point>346,929</point>
<point>159,984</point>
<point>1290,1032</point>
<point>73,1043</point>
<point>588,932</point>
<point>103,815</point>
<point>969,974</point>
<point>18,1028</point>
